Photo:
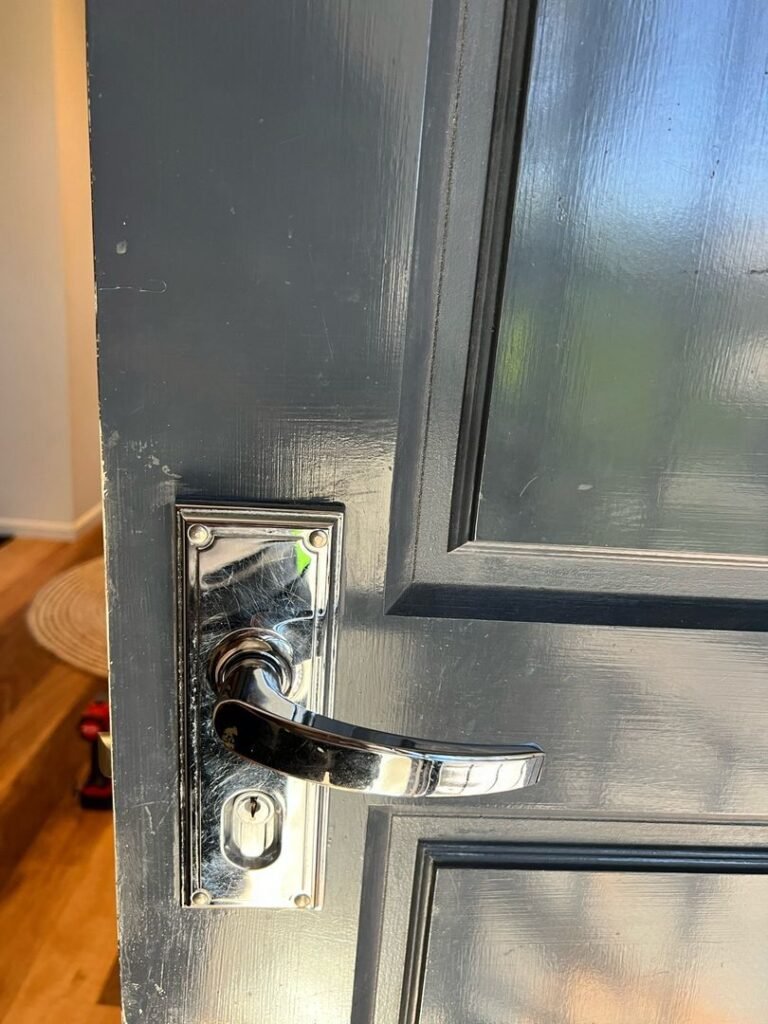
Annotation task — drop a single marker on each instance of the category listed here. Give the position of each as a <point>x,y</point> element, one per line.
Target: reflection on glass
<point>630,394</point>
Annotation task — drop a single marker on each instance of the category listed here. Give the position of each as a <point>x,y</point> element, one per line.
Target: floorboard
<point>58,944</point>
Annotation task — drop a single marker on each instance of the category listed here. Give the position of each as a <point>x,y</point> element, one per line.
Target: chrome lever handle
<point>255,717</point>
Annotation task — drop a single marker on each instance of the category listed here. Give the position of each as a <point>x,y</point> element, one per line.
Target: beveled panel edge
<point>433,567</point>
<point>612,587</point>
<point>407,849</point>
<point>505,147</point>
<point>455,144</point>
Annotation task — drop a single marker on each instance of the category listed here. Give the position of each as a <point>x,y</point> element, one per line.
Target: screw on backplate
<point>302,901</point>
<point>199,535</point>
<point>201,898</point>
<point>318,539</point>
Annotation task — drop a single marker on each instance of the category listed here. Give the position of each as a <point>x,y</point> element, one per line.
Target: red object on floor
<point>96,791</point>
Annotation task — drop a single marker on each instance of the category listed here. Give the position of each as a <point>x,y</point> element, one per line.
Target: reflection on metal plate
<point>250,836</point>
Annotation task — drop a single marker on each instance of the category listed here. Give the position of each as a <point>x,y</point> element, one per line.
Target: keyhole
<point>250,830</point>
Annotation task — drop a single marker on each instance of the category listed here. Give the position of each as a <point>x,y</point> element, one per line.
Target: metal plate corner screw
<point>302,900</point>
<point>200,898</point>
<point>317,539</point>
<point>199,535</point>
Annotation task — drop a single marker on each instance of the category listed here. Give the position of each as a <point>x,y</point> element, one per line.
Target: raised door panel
<point>529,921</point>
<point>629,401</point>
<point>583,430</point>
<point>529,946</point>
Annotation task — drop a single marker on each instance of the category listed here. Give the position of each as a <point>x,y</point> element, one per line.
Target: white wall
<point>49,453</point>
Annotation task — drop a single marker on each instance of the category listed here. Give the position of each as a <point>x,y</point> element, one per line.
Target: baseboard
<point>51,529</point>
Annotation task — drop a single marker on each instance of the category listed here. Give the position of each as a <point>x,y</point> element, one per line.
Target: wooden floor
<point>57,916</point>
<point>57,924</point>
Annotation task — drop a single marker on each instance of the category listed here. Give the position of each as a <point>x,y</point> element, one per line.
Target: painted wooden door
<point>491,277</point>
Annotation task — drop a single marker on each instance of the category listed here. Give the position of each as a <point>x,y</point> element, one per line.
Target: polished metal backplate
<point>252,836</point>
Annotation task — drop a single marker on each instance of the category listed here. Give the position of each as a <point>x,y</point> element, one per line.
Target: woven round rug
<point>69,618</point>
